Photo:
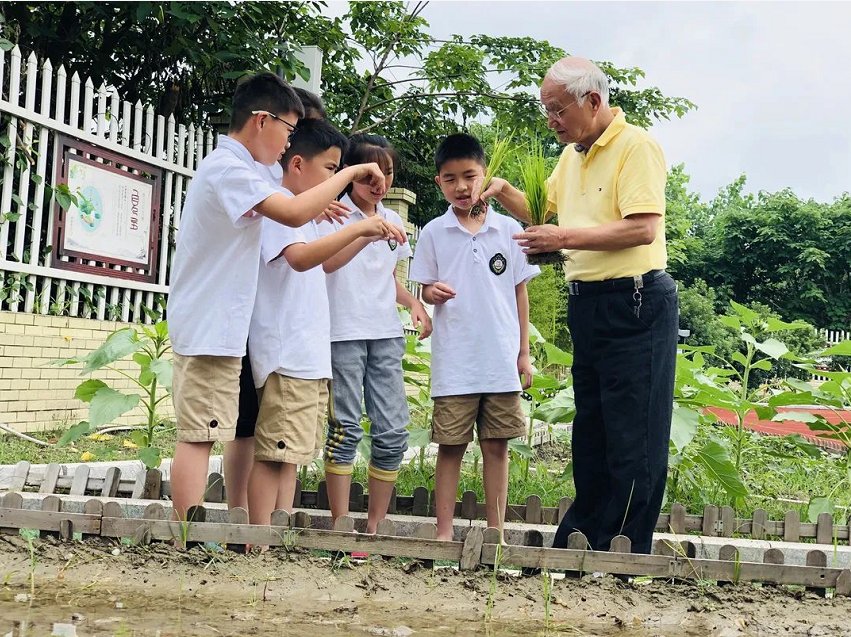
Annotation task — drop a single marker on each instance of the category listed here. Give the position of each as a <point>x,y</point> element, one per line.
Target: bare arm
<point>304,256</point>
<point>524,363</point>
<point>404,296</point>
<point>629,232</point>
<point>345,255</point>
<point>419,317</point>
<point>297,211</point>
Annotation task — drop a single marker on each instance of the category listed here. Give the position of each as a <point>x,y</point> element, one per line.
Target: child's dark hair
<point>459,146</point>
<point>312,103</point>
<point>314,136</point>
<point>364,148</point>
<point>263,92</point>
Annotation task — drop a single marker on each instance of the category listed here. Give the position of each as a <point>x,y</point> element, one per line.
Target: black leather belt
<point>580,288</point>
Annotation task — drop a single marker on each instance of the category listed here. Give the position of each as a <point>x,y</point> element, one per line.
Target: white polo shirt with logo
<point>214,274</point>
<point>362,294</point>
<point>476,338</point>
<point>290,325</point>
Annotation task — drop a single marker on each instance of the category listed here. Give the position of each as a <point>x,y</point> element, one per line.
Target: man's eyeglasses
<point>292,127</point>
<point>548,112</point>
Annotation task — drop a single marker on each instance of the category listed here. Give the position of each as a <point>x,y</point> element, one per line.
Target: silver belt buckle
<point>573,288</point>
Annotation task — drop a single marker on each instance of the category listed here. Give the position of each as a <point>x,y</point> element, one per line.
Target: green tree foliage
<point>548,306</point>
<point>700,316</point>
<point>791,255</point>
<point>685,214</point>
<point>181,57</point>
<point>418,89</point>
<point>383,71</point>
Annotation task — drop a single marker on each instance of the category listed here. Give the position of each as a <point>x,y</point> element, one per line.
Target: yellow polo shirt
<point>622,174</point>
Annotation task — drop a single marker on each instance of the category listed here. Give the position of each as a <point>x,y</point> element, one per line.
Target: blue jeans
<point>368,372</point>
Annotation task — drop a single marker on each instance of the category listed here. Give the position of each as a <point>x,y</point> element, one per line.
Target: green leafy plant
<point>707,381</point>
<point>550,398</point>
<point>834,395</point>
<point>416,367</point>
<point>31,535</point>
<point>534,172</point>
<point>148,347</point>
<point>498,154</point>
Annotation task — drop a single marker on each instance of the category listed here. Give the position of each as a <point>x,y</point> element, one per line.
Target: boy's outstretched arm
<point>348,253</point>
<point>419,317</point>
<point>345,255</point>
<point>297,211</point>
<point>513,200</point>
<point>304,256</point>
<point>524,362</point>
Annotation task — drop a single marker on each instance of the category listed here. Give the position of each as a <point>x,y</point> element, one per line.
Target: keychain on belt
<point>636,294</point>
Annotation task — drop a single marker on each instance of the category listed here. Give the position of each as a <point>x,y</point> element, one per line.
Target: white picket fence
<point>834,337</point>
<point>99,116</point>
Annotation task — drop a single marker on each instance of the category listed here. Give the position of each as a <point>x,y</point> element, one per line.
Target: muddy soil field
<point>98,588</point>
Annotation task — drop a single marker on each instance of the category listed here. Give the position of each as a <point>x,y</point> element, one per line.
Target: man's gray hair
<point>580,80</point>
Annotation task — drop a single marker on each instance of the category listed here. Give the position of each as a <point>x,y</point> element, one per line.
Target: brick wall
<point>35,395</point>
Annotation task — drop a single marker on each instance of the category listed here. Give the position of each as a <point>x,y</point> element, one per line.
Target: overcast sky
<point>771,79</point>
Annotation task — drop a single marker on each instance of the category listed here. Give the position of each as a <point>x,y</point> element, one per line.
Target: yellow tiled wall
<point>35,395</point>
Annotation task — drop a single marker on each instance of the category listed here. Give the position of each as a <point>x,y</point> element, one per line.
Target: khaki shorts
<point>497,416</point>
<point>205,393</point>
<point>291,422</point>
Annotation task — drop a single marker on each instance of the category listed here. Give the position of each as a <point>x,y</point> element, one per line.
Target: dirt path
<point>158,591</point>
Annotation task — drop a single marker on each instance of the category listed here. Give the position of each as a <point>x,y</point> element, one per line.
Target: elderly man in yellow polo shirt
<point>609,192</point>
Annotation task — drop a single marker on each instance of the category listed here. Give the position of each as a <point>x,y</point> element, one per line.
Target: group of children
<point>283,306</point>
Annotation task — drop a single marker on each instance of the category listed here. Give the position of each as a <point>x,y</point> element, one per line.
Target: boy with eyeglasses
<point>214,278</point>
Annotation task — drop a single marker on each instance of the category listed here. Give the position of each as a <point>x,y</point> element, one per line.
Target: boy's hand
<point>440,293</point>
<point>421,320</point>
<point>370,174</point>
<point>377,228</point>
<point>335,211</point>
<point>524,367</point>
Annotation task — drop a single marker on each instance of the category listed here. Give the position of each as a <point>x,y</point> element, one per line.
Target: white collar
<point>236,147</point>
<point>380,210</point>
<point>450,220</point>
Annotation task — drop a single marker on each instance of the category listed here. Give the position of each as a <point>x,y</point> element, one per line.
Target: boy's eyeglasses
<point>548,112</point>
<point>292,127</point>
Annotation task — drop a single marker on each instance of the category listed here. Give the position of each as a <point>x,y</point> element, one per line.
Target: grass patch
<point>117,446</point>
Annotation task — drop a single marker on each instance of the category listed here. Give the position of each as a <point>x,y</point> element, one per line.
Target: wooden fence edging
<point>673,560</point>
<point>713,522</point>
<point>664,566</point>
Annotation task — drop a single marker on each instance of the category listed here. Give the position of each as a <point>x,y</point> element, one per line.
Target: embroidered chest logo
<point>393,244</point>
<point>498,263</point>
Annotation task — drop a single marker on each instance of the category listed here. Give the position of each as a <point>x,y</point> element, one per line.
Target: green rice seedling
<point>547,590</point>
<point>533,179</point>
<point>31,535</point>
<point>497,156</point>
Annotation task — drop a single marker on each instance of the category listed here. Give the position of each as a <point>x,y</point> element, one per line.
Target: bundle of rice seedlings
<point>497,158</point>
<point>533,180</point>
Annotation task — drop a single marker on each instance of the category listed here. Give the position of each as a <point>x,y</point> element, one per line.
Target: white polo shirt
<point>290,325</point>
<point>362,294</point>
<point>214,274</point>
<point>476,338</point>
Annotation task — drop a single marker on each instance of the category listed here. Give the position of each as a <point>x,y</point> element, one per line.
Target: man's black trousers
<point>624,336</point>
